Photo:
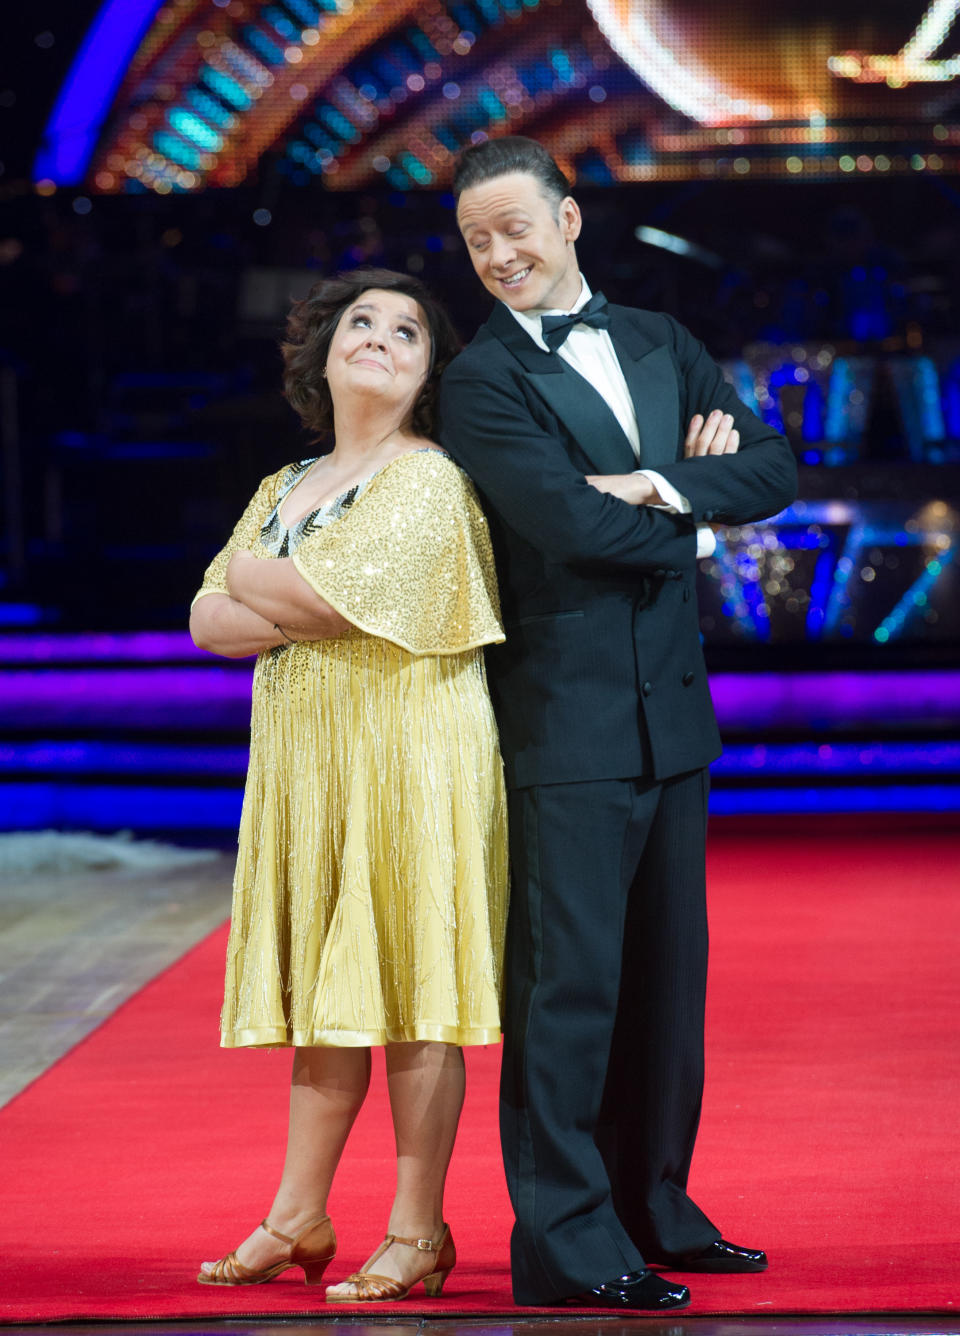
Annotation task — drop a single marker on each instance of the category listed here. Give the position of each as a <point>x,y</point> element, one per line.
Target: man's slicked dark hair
<point>513,153</point>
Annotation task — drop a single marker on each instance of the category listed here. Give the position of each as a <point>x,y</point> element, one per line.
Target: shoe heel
<point>314,1250</point>
<point>433,1284</point>
<point>313,1271</point>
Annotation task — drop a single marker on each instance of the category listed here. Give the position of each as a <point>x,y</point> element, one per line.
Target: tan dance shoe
<point>374,1289</point>
<point>313,1248</point>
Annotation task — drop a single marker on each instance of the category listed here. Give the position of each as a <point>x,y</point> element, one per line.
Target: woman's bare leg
<point>327,1088</point>
<point>426,1084</point>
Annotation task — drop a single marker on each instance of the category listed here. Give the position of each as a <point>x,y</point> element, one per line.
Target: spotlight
<point>652,236</point>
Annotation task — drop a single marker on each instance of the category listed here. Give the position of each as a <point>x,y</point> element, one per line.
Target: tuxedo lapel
<point>582,410</point>
<point>588,418</point>
<point>652,381</point>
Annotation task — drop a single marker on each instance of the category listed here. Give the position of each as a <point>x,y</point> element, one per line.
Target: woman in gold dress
<point>371,884</point>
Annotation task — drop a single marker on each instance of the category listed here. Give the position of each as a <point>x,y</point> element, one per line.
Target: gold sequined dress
<point>370,891</point>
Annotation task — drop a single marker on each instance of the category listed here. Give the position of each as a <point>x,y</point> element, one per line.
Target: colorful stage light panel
<point>181,95</point>
<point>860,572</point>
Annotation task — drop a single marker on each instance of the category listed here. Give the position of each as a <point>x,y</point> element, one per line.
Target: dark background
<point>138,345</point>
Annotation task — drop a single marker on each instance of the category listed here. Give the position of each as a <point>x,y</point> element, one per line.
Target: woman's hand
<point>237,567</point>
<point>633,488</point>
<point>281,596</point>
<point>221,625</point>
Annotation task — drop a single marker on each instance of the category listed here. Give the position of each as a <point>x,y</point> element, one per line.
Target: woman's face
<point>381,347</point>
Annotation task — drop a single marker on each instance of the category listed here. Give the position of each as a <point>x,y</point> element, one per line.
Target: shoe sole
<point>713,1268</point>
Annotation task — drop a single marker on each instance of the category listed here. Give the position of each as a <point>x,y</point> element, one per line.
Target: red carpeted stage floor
<point>828,1136</point>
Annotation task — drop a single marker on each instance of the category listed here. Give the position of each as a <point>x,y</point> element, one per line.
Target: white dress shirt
<point>591,353</point>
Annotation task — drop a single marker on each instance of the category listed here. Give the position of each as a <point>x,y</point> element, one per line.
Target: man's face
<point>520,245</point>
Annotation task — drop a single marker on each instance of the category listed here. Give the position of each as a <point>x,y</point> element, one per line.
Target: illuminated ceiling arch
<point>352,90</point>
<point>679,78</point>
<point>178,95</point>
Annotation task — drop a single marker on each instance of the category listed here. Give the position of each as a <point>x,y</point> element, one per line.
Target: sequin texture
<point>371,885</point>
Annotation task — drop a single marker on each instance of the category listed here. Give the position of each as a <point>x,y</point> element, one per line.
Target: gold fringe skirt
<point>370,893</point>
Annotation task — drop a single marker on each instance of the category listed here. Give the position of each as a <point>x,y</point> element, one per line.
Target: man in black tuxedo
<point>600,499</point>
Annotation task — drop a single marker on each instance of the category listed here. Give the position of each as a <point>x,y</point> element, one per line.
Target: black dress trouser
<point>603,1028</point>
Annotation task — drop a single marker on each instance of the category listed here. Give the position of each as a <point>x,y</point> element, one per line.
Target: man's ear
<point>569,218</point>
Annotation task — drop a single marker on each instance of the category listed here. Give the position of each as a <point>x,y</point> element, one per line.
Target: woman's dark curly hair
<point>310,327</point>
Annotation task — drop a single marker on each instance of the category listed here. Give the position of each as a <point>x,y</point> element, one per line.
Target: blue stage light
<point>338,124</point>
<point>915,597</point>
<point>561,63</point>
<point>35,806</point>
<point>209,108</point>
<point>72,760</point>
<point>117,807</point>
<point>21,614</point>
<point>177,150</point>
<point>306,11</point>
<point>281,24</point>
<point>758,761</point>
<point>492,105</point>
<point>264,46</point>
<point>89,89</point>
<point>227,88</point>
<point>796,802</point>
<point>189,125</point>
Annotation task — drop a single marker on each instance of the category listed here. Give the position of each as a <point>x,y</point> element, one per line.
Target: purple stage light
<point>183,698</point>
<point>754,763</point>
<point>835,700</point>
<point>100,647</point>
<point>213,695</point>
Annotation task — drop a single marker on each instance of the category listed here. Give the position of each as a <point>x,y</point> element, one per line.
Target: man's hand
<point>713,435</point>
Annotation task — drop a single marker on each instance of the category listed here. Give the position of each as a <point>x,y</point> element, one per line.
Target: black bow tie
<point>555,328</point>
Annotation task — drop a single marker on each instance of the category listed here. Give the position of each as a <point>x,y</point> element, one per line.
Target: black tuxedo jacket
<point>602,674</point>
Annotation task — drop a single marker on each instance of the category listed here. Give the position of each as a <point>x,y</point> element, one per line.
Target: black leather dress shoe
<point>721,1258</point>
<point>637,1289</point>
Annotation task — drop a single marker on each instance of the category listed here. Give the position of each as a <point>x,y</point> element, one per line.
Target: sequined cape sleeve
<point>244,536</point>
<point>410,560</point>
